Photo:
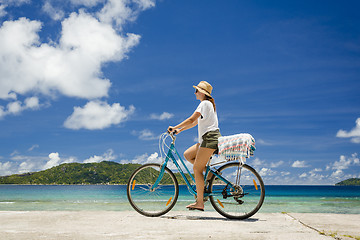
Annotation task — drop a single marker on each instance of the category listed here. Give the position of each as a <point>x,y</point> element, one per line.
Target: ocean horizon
<point>278,198</point>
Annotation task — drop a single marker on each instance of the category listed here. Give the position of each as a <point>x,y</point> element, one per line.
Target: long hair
<point>212,101</point>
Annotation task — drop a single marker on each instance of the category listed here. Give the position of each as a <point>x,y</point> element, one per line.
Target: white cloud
<point>7,3</point>
<point>281,172</point>
<point>97,115</point>
<point>16,107</point>
<point>315,175</point>
<point>317,170</point>
<point>354,134</point>
<point>55,160</point>
<point>72,64</point>
<point>119,12</point>
<point>87,3</point>
<point>107,156</point>
<point>145,4</point>
<point>267,172</point>
<point>299,164</point>
<point>345,168</point>
<point>345,163</point>
<point>145,134</point>
<point>2,112</point>
<point>14,2</point>
<point>5,168</point>
<point>303,175</point>
<point>154,158</point>
<point>263,142</point>
<point>313,178</point>
<point>116,12</point>
<point>15,156</point>
<point>23,164</point>
<point>337,174</point>
<point>54,13</point>
<point>284,173</point>
<point>163,116</point>
<point>145,158</point>
<point>2,11</point>
<point>256,162</point>
<point>25,167</point>
<point>33,147</point>
<point>32,103</point>
<point>276,164</point>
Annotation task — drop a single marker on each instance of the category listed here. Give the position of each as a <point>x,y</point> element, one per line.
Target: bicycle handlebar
<point>172,134</point>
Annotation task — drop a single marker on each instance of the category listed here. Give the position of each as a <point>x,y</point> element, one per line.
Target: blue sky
<point>94,80</point>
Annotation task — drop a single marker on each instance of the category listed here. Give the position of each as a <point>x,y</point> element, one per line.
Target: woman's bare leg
<point>190,153</point>
<point>202,158</point>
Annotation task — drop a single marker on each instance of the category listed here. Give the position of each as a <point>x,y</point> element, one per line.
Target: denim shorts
<point>210,139</point>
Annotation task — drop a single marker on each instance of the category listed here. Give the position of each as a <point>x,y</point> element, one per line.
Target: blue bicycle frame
<point>170,156</point>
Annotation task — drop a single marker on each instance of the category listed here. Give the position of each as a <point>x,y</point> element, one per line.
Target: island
<point>349,182</point>
<point>106,172</point>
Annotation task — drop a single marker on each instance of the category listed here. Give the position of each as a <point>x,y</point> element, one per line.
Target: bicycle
<point>235,189</point>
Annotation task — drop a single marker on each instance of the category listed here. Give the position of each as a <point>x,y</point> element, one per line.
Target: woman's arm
<point>186,124</point>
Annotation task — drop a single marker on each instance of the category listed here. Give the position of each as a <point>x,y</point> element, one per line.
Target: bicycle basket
<point>236,147</point>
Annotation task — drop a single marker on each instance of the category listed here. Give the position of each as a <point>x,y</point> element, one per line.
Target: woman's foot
<point>199,209</point>
<point>190,205</point>
<point>195,206</point>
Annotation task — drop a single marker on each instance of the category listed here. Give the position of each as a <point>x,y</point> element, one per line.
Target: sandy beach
<point>174,225</point>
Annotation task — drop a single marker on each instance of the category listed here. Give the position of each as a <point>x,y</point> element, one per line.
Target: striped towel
<point>237,146</point>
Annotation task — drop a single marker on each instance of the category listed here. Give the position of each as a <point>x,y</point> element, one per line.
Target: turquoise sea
<point>305,199</point>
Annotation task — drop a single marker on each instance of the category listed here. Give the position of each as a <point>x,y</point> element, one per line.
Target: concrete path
<point>174,225</point>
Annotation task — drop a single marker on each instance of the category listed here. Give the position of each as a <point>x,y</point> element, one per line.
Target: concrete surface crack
<point>308,226</point>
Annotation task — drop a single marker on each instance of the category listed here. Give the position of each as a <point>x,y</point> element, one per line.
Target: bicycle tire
<point>152,202</point>
<point>244,202</point>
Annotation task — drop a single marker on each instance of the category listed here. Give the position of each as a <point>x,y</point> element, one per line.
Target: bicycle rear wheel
<point>244,199</point>
<point>149,201</point>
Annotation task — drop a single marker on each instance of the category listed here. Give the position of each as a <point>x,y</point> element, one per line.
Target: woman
<point>208,132</point>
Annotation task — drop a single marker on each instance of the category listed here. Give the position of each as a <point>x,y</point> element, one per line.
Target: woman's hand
<point>172,129</point>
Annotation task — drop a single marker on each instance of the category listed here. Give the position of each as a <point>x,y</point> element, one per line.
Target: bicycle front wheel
<point>244,198</point>
<point>148,200</point>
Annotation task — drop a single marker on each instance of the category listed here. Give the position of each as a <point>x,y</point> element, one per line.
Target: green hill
<point>76,173</point>
<point>349,182</point>
<point>79,173</point>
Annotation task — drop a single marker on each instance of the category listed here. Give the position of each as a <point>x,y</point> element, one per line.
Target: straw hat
<point>205,88</point>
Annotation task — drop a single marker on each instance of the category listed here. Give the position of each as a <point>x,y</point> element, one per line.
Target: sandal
<point>199,209</point>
